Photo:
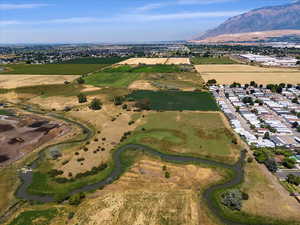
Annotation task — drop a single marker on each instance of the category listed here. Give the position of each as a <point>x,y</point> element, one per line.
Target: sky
<point>113,21</point>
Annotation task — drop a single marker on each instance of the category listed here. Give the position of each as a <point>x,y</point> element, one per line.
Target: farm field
<point>260,78</point>
<point>192,133</point>
<point>144,69</point>
<point>147,61</point>
<point>177,100</point>
<point>212,60</point>
<point>50,69</point>
<point>155,61</point>
<point>93,60</point>
<point>15,81</point>
<point>236,68</point>
<point>228,74</point>
<point>108,79</point>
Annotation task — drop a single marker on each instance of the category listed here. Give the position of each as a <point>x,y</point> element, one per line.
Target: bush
<point>167,175</point>
<point>82,98</point>
<point>54,173</point>
<point>250,160</point>
<point>96,104</point>
<point>76,198</point>
<point>293,179</point>
<point>289,163</point>
<point>71,215</point>
<point>80,80</point>
<point>232,199</point>
<point>271,165</point>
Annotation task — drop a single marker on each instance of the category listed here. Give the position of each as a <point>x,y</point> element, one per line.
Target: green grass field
<point>189,133</point>
<point>52,69</point>
<point>117,80</point>
<point>51,90</point>
<point>35,217</point>
<point>212,60</point>
<point>145,69</point>
<point>92,60</point>
<point>177,100</point>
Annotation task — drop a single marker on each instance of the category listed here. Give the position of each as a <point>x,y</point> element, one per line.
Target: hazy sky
<point>53,21</point>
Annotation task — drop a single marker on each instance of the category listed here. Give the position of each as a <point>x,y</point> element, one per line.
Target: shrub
<point>71,215</point>
<point>96,104</point>
<point>232,199</point>
<point>82,98</point>
<point>80,80</point>
<point>167,175</point>
<point>76,198</point>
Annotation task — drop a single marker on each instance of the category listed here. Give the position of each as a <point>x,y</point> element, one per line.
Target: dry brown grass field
<point>238,68</point>
<point>260,78</point>
<point>267,196</point>
<point>14,81</point>
<point>154,61</point>
<point>144,196</point>
<point>227,74</point>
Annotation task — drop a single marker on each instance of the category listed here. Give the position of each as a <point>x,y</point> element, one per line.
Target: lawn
<point>92,60</point>
<point>145,69</point>
<point>191,133</point>
<point>177,100</point>
<point>40,217</point>
<point>212,60</point>
<point>108,79</point>
<point>52,69</point>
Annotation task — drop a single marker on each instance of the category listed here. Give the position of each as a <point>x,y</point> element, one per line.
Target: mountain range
<point>276,19</point>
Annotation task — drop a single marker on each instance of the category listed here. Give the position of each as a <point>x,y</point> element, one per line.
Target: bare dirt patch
<point>142,85</point>
<point>20,135</point>
<point>178,61</point>
<point>14,81</point>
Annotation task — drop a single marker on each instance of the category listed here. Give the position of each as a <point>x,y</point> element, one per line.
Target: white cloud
<point>126,18</point>
<point>20,6</point>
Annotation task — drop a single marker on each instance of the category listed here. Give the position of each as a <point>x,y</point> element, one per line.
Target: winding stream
<point>117,171</point>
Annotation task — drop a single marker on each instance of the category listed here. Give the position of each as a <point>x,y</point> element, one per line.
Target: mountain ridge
<point>282,17</point>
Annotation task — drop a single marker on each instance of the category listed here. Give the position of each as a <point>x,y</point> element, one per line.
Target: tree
<point>271,165</point>
<point>267,135</point>
<point>227,95</point>
<point>82,98</point>
<point>212,82</point>
<point>293,179</point>
<point>295,125</point>
<point>119,100</point>
<point>295,100</point>
<point>96,104</point>
<point>232,199</point>
<point>80,80</point>
<point>289,163</point>
<point>298,62</point>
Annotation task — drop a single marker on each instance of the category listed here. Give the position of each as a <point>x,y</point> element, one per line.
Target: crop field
<point>15,81</point>
<point>147,61</point>
<point>93,60</point>
<point>227,74</point>
<point>177,100</point>
<point>260,78</point>
<point>145,69</point>
<point>178,61</point>
<point>212,60</point>
<point>50,69</point>
<point>236,68</point>
<point>199,134</point>
<point>108,79</point>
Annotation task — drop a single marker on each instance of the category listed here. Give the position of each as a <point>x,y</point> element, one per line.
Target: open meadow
<point>191,133</point>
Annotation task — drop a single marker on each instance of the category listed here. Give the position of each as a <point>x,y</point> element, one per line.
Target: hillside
<point>285,17</point>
